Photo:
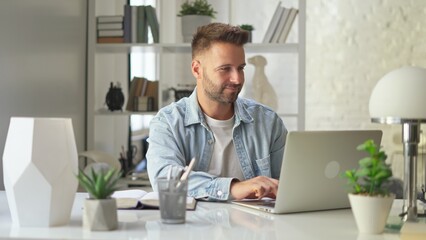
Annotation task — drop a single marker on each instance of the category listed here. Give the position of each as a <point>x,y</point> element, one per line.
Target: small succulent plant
<point>99,184</point>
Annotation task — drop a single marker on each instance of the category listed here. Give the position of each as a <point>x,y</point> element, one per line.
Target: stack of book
<point>110,29</point>
<point>139,23</point>
<point>143,95</point>
<point>280,24</point>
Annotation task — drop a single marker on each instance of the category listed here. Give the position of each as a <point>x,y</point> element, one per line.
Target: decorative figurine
<point>263,91</point>
<point>115,97</point>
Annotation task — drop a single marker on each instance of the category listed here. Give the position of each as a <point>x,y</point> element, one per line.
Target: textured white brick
<point>350,45</point>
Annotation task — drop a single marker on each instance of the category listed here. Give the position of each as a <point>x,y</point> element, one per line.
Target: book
<point>153,24</point>
<point>143,104</point>
<point>151,90</point>
<point>110,33</point>
<point>110,40</point>
<point>140,199</point>
<point>142,29</point>
<point>109,19</point>
<point>135,90</point>
<point>288,25</point>
<point>127,23</point>
<point>281,24</point>
<point>413,231</point>
<point>134,25</point>
<point>273,24</point>
<point>110,26</point>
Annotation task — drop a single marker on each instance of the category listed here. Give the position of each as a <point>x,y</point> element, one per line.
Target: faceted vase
<point>39,162</point>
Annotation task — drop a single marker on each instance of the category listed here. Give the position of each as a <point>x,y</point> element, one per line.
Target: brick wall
<point>350,45</point>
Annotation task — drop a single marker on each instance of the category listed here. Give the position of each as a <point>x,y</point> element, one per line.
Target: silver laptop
<point>311,172</point>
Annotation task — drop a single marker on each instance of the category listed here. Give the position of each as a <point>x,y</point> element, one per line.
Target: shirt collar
<point>194,114</point>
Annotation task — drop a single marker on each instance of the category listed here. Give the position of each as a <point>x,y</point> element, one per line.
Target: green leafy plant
<point>197,7</point>
<point>372,172</point>
<point>247,27</point>
<point>99,184</point>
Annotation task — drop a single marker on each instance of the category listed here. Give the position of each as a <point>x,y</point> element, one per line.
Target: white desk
<point>209,221</point>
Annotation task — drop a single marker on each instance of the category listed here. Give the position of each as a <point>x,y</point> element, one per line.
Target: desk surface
<point>209,221</point>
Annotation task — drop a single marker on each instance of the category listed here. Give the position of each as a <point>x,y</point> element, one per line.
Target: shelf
<point>169,62</point>
<point>186,48</point>
<point>105,112</point>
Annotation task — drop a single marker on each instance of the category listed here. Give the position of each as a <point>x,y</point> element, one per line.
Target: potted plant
<point>370,200</point>
<point>249,28</point>
<point>194,14</point>
<point>100,210</point>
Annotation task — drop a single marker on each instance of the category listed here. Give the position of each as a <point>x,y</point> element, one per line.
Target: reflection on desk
<point>209,221</point>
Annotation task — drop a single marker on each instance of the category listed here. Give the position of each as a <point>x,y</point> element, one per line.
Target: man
<point>238,144</point>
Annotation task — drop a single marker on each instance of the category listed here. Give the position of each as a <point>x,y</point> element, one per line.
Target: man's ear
<point>196,68</point>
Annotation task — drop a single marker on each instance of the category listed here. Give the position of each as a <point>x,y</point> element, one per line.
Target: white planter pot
<point>371,213</point>
<point>39,162</point>
<point>100,214</point>
<point>190,23</point>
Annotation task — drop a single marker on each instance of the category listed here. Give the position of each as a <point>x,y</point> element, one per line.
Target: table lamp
<point>399,98</point>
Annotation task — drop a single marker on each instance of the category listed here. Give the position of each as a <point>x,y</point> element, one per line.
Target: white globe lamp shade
<point>399,96</point>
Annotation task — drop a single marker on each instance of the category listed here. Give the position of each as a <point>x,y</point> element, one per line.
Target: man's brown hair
<point>217,32</point>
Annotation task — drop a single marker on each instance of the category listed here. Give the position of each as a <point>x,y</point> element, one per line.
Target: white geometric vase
<point>40,161</point>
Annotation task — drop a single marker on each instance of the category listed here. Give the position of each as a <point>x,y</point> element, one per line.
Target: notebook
<point>311,172</point>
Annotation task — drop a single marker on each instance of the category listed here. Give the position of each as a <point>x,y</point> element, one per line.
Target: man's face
<point>221,72</point>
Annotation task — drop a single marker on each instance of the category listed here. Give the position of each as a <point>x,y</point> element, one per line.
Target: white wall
<point>42,63</point>
<point>350,45</point>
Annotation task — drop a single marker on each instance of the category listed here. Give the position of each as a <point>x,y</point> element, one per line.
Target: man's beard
<point>216,93</point>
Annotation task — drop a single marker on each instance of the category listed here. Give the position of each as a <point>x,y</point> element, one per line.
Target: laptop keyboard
<point>263,203</point>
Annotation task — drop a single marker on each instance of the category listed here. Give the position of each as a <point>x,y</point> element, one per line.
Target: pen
<point>188,170</point>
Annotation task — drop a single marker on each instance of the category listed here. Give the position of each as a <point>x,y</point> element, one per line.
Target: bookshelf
<point>108,131</point>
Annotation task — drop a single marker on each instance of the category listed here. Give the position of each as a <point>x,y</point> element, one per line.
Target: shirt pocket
<point>263,166</point>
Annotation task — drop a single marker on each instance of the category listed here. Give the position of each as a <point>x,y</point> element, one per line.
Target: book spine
<point>273,24</point>
<point>110,33</point>
<point>134,23</point>
<point>281,24</point>
<point>153,23</point>
<point>109,19</point>
<point>110,26</point>
<point>142,34</point>
<point>110,40</point>
<point>288,25</point>
<point>127,23</point>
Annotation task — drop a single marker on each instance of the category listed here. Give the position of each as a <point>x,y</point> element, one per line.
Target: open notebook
<point>310,177</point>
<point>140,199</point>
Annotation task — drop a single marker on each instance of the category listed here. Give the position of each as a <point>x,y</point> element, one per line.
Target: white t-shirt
<point>224,161</point>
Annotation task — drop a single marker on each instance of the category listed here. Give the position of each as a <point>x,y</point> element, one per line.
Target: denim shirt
<point>179,132</point>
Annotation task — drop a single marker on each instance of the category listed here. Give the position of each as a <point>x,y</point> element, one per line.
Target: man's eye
<point>224,69</point>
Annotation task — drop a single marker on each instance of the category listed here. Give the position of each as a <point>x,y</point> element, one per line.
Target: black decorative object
<point>181,93</point>
<point>115,97</point>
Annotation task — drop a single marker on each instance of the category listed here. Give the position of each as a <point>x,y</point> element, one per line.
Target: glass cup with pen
<point>173,193</point>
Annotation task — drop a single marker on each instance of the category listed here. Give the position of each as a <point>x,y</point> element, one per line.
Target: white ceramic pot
<point>39,162</point>
<point>371,213</point>
<point>190,23</point>
<point>100,214</point>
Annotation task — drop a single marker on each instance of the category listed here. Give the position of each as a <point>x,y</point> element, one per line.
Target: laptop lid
<point>313,162</point>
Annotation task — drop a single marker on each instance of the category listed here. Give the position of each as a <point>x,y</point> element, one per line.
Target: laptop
<point>311,171</point>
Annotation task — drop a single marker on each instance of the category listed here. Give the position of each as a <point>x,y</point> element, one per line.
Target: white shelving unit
<point>109,63</point>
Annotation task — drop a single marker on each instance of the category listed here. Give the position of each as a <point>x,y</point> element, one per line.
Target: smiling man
<point>238,143</point>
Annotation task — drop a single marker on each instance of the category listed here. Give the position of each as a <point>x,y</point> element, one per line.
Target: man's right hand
<point>257,187</point>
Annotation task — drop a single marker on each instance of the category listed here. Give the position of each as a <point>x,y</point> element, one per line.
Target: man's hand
<point>257,187</point>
